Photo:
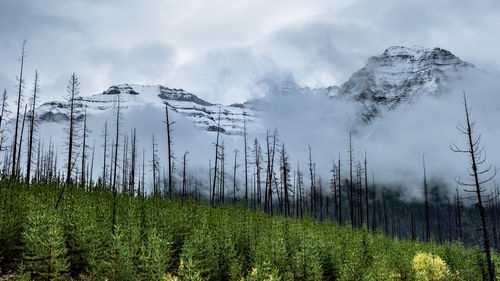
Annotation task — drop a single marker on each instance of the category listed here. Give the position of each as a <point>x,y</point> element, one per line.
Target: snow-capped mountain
<point>402,75</point>
<point>398,75</point>
<point>204,115</point>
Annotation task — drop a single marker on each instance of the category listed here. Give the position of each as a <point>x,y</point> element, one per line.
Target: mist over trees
<point>265,177</point>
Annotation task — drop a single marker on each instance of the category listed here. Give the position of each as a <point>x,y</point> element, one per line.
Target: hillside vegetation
<point>158,239</point>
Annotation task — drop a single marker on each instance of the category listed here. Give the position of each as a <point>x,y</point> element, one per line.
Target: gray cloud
<point>141,63</point>
<point>227,75</point>
<point>191,44</point>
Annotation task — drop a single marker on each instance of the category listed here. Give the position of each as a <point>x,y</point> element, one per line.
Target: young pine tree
<point>44,257</point>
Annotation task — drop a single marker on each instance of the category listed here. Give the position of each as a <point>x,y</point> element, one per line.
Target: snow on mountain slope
<point>398,75</point>
<point>203,114</point>
<point>402,75</point>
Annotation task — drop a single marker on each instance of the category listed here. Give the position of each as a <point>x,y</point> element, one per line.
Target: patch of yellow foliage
<point>429,267</point>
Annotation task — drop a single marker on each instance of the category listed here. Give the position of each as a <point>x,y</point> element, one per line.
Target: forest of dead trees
<point>271,181</point>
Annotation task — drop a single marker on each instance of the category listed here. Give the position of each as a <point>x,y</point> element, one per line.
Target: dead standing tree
<point>115,155</point>
<point>426,205</point>
<point>212,197</point>
<point>3,116</point>
<point>36,89</point>
<point>477,155</point>
<point>19,96</point>
<point>73,90</point>
<point>169,146</point>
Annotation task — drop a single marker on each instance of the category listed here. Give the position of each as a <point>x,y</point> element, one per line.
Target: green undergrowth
<point>157,239</point>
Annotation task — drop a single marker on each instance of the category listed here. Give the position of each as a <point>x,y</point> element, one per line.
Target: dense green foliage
<point>159,239</point>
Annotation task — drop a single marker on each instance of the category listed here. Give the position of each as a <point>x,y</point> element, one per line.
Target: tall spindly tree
<point>73,90</point>
<point>480,176</point>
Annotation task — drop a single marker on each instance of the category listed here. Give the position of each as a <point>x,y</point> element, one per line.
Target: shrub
<point>429,267</point>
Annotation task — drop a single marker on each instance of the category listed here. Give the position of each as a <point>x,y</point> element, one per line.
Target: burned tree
<point>18,169</point>
<point>169,147</point>
<point>212,198</point>
<point>234,176</point>
<point>257,150</point>
<point>105,145</point>
<point>3,115</point>
<point>73,90</point>
<point>285,170</point>
<point>184,177</point>
<point>19,96</point>
<point>36,89</point>
<point>246,156</point>
<point>313,188</point>
<point>133,162</point>
<point>155,165</point>
<point>115,162</point>
<point>366,194</point>
<point>475,151</point>
<point>84,149</point>
<point>426,206</point>
<point>351,195</point>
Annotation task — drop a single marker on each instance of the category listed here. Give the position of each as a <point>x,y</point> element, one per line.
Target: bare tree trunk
<point>366,195</point>
<point>155,166</point>
<point>351,199</point>
<point>19,95</point>
<point>246,159</point>
<point>169,142</point>
<point>184,180</point>
<point>115,162</point>
<point>426,206</point>
<point>340,191</point>
<point>32,128</point>
<point>477,157</point>
<point>459,217</point>
<point>234,176</point>
<point>133,162</point>
<point>104,167</point>
<point>212,199</point>
<point>143,165</point>
<point>91,179</point>
<point>18,170</point>
<point>313,188</point>
<point>84,146</point>
<point>73,89</point>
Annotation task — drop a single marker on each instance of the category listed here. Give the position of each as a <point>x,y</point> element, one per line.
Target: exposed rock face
<point>402,75</point>
<point>203,114</point>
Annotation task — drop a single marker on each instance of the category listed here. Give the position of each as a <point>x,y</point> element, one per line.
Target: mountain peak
<point>403,74</point>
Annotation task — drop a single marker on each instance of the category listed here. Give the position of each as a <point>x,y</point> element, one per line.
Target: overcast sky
<point>230,50</point>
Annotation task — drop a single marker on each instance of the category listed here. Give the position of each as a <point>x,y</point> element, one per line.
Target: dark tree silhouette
<point>36,89</point>
<point>84,149</point>
<point>115,161</point>
<point>73,90</point>
<point>105,154</point>
<point>351,194</point>
<point>19,97</point>
<point>18,169</point>
<point>169,147</point>
<point>426,205</point>
<point>475,151</point>
<point>133,161</point>
<point>235,166</point>
<point>212,199</point>
<point>246,156</point>
<point>3,115</point>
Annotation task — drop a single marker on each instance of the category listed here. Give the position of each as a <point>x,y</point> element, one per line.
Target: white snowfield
<point>203,114</point>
